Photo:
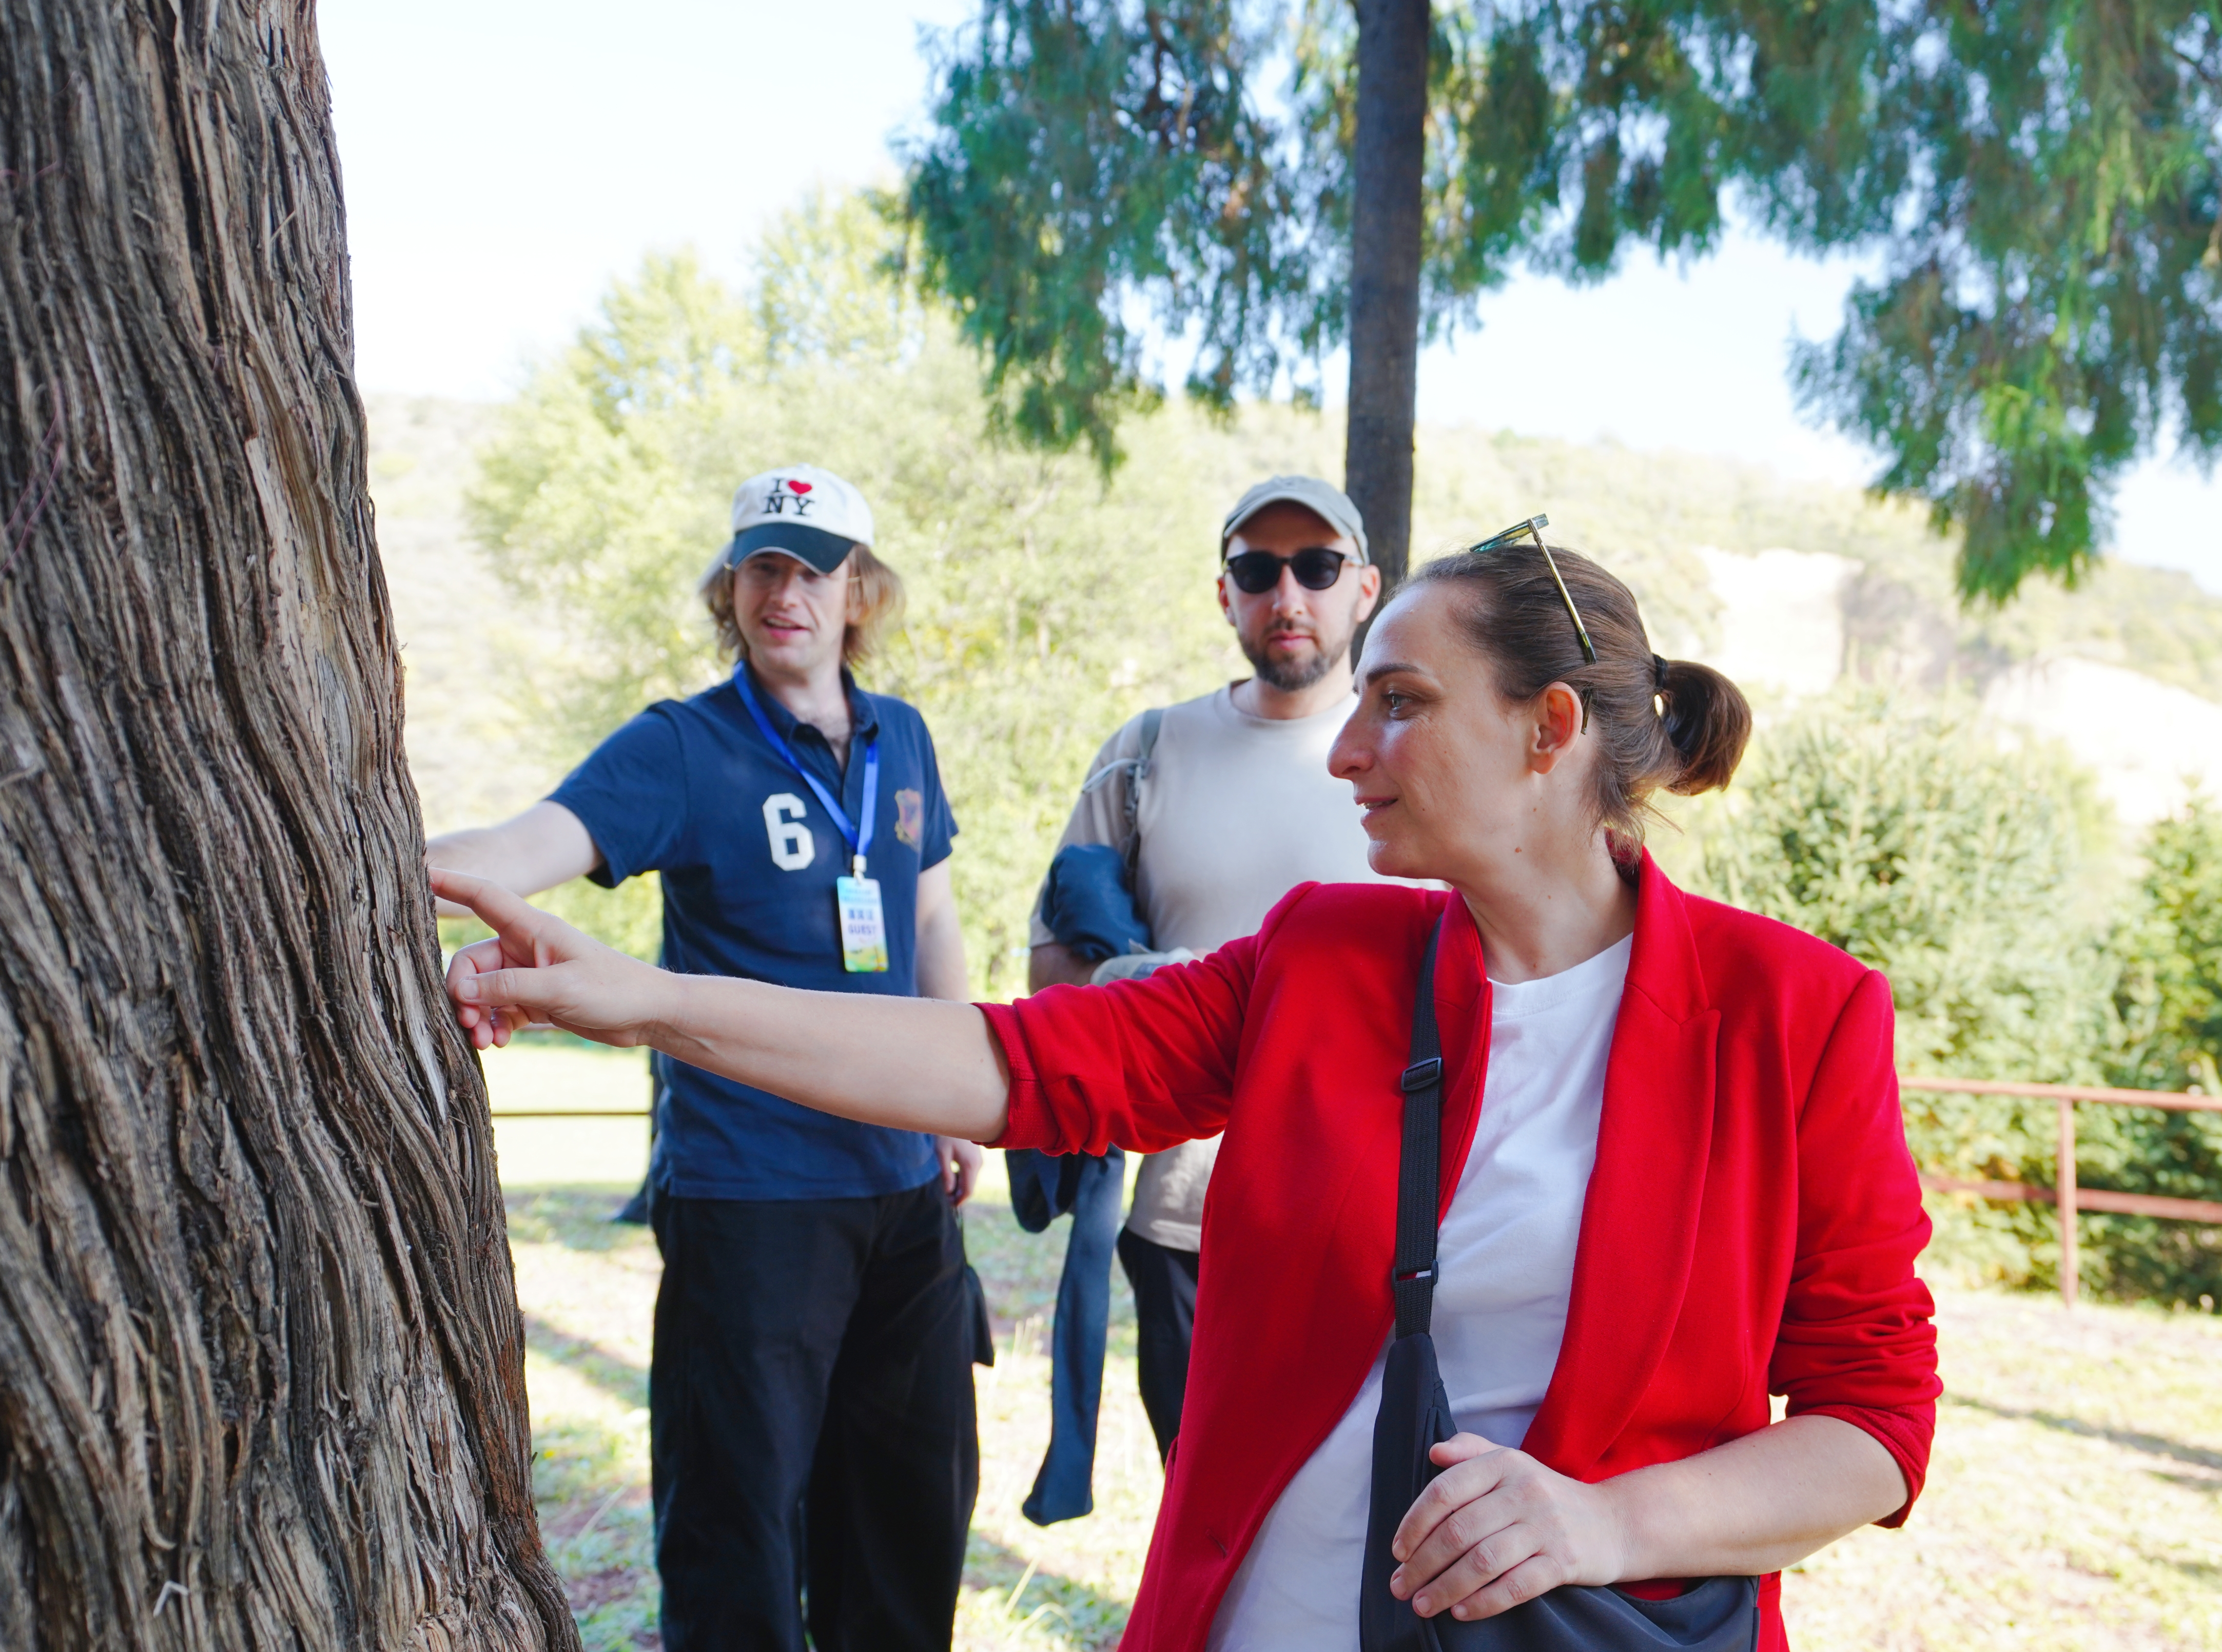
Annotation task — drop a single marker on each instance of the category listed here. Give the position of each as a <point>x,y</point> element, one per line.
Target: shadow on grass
<point>612,1373</point>
<point>2206,1483</point>
<point>2201,1571</point>
<point>2152,1444</point>
<point>1029,1599</point>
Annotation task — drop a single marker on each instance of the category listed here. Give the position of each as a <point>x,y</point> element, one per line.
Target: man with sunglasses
<point>1220,807</point>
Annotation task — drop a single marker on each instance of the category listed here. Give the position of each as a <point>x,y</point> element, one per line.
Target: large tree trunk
<point>262,1369</point>
<point>1387,168</point>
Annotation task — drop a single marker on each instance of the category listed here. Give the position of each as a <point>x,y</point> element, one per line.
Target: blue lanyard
<point>859,842</point>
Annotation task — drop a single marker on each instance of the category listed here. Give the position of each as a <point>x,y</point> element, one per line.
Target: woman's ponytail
<point>1708,723</point>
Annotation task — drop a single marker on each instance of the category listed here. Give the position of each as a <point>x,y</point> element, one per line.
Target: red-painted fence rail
<point>2064,1192</point>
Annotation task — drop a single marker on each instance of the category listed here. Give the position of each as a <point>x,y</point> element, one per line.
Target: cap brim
<point>1257,508</point>
<point>813,546</point>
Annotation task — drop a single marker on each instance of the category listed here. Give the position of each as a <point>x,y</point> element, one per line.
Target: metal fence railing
<point>2064,1192</point>
<point>501,1113</point>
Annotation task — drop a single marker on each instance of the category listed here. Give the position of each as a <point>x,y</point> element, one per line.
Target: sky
<point>502,161</point>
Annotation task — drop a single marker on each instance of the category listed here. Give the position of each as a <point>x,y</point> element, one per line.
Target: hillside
<point>1788,585</point>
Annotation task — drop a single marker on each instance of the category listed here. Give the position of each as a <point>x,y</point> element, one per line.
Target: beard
<point>1292,676</point>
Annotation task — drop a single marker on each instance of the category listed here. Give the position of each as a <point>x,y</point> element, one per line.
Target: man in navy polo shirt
<point>813,1329</point>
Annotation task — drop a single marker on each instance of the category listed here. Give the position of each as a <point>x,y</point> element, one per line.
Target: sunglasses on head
<point>1533,526</point>
<point>1257,572</point>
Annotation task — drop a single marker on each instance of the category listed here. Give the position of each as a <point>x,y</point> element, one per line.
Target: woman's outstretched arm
<point>915,1063</point>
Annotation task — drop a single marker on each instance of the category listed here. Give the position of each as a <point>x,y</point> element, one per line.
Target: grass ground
<point>2074,1501</point>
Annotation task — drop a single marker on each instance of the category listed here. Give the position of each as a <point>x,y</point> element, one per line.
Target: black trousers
<point>811,1423</point>
<point>1164,1322</point>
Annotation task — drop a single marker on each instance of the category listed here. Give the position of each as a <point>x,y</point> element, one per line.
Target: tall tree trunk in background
<point>1387,166</point>
<point>262,1369</point>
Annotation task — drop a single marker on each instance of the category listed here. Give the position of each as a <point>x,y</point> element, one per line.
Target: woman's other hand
<point>1496,1527</point>
<point>539,971</point>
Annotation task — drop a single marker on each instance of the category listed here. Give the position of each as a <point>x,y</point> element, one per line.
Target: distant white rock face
<point>1781,617</point>
<point>1783,625</point>
<point>2149,745</point>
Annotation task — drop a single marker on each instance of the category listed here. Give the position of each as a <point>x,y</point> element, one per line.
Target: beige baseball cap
<point>800,510</point>
<point>1329,503</point>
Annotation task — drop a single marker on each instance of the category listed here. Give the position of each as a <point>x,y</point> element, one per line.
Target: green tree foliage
<point>1092,154</point>
<point>2041,183</point>
<point>1097,168</point>
<point>1043,609</point>
<point>2045,182</point>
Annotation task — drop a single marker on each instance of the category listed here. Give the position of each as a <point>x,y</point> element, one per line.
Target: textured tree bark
<point>261,1370</point>
<point>1387,165</point>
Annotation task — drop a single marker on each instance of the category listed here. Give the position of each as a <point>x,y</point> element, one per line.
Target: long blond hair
<point>875,607</point>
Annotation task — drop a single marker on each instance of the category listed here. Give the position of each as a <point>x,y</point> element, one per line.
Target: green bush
<point>2168,999</point>
<point>1979,875</point>
<point>1971,874</point>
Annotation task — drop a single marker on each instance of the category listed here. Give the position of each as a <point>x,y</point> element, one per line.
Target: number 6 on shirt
<point>793,846</point>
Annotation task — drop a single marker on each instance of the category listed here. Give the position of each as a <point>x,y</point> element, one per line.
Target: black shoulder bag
<point>1719,1615</point>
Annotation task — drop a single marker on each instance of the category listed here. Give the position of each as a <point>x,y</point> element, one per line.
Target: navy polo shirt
<point>691,789</point>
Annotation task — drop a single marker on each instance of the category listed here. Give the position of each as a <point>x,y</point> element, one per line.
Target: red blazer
<point>1750,1227</point>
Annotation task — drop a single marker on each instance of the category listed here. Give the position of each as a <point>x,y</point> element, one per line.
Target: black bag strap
<point>1419,1169</point>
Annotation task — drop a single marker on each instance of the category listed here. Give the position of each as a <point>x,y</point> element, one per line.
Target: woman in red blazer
<point>1750,1217</point>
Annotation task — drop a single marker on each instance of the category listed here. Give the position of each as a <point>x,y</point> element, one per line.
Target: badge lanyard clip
<point>862,919</point>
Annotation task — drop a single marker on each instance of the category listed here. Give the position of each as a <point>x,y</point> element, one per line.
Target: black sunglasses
<point>1535,525</point>
<point>1258,571</point>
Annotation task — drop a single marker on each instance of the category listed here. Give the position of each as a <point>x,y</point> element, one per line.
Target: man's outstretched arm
<point>915,1063</point>
<point>545,846</point>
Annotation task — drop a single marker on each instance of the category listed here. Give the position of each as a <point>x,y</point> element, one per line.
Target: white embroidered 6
<point>793,847</point>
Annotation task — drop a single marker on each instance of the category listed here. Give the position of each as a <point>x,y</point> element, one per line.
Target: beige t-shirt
<point>1237,810</point>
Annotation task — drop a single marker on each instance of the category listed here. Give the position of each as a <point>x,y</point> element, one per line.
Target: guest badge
<point>863,924</point>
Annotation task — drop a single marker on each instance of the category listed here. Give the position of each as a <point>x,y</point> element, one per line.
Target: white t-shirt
<point>1505,1263</point>
<point>1238,810</point>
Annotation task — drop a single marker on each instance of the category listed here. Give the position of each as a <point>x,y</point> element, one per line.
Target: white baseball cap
<point>805,511</point>
<point>1323,500</point>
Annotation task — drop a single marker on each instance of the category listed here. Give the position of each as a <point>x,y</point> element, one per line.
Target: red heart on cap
<point>798,488</point>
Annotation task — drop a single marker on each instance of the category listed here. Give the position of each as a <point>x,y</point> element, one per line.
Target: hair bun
<point>1708,724</point>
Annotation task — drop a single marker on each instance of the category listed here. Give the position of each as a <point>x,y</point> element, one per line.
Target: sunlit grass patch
<point>1008,1601</point>
<point>590,1485</point>
<point>2075,1499</point>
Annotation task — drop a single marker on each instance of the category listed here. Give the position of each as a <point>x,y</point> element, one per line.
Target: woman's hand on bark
<point>1496,1527</point>
<point>539,971</point>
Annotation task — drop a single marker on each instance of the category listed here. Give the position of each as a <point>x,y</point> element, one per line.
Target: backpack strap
<point>1135,770</point>
<point>1419,1168</point>
<point>1151,720</point>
